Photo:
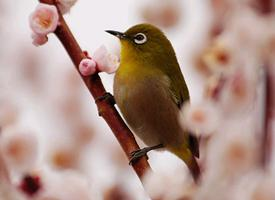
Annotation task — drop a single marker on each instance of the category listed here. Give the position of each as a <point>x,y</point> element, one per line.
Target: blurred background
<point>41,93</point>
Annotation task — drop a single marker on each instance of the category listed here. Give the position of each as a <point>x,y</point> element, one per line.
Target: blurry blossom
<point>117,192</point>
<point>164,13</point>
<point>173,185</point>
<point>19,148</point>
<point>65,185</point>
<point>200,118</point>
<point>231,64</point>
<point>54,146</point>
<point>257,184</point>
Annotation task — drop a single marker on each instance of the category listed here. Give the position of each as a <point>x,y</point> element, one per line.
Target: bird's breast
<point>147,106</point>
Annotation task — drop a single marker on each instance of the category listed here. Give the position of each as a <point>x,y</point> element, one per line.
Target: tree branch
<point>269,76</point>
<point>269,114</point>
<point>106,108</point>
<point>265,6</point>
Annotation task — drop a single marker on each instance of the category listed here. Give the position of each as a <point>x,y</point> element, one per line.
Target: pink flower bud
<point>44,19</point>
<point>39,40</point>
<point>106,62</point>
<point>87,67</point>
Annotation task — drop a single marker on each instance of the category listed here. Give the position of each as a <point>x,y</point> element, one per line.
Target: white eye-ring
<point>140,38</point>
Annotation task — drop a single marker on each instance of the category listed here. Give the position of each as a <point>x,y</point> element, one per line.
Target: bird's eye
<point>140,38</point>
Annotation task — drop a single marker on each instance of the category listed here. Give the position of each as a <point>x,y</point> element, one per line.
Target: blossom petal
<point>44,19</point>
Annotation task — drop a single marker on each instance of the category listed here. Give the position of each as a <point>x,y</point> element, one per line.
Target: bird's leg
<point>142,152</point>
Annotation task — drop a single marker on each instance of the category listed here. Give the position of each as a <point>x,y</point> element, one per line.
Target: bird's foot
<point>135,155</point>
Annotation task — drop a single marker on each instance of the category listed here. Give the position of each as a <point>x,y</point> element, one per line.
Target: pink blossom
<point>217,57</point>
<point>232,152</point>
<point>66,185</point>
<point>19,148</point>
<point>180,187</point>
<point>44,19</point>
<point>238,95</point>
<point>65,5</point>
<point>39,40</point>
<point>106,62</point>
<point>162,13</point>
<point>87,67</point>
<point>200,118</point>
<point>258,185</point>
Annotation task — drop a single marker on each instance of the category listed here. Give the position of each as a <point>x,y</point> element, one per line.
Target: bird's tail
<point>190,161</point>
<point>194,168</point>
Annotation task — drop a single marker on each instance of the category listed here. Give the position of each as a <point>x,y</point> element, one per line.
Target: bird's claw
<point>135,155</point>
<point>134,152</point>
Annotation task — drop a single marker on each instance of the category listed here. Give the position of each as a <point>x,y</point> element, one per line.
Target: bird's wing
<point>180,94</point>
<point>178,87</point>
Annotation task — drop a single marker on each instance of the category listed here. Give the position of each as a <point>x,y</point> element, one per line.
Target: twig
<point>269,75</point>
<point>106,108</point>
<point>265,6</point>
<point>269,114</point>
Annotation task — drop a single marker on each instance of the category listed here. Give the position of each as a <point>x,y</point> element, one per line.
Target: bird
<point>149,90</point>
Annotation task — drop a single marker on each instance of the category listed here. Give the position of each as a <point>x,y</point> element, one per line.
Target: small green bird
<point>149,90</point>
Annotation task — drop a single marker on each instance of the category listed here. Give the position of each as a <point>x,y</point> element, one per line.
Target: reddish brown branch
<point>269,114</point>
<point>262,6</point>
<point>265,6</point>
<point>96,88</point>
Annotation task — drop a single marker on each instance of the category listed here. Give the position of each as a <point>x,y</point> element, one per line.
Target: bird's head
<point>144,42</point>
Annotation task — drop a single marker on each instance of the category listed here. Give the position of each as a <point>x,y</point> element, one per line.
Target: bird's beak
<point>117,34</point>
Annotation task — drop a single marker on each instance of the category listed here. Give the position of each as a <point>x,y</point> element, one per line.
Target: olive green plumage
<point>149,89</point>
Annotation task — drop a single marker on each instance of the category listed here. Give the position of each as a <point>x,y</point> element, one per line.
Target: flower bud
<point>87,67</point>
<point>39,40</point>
